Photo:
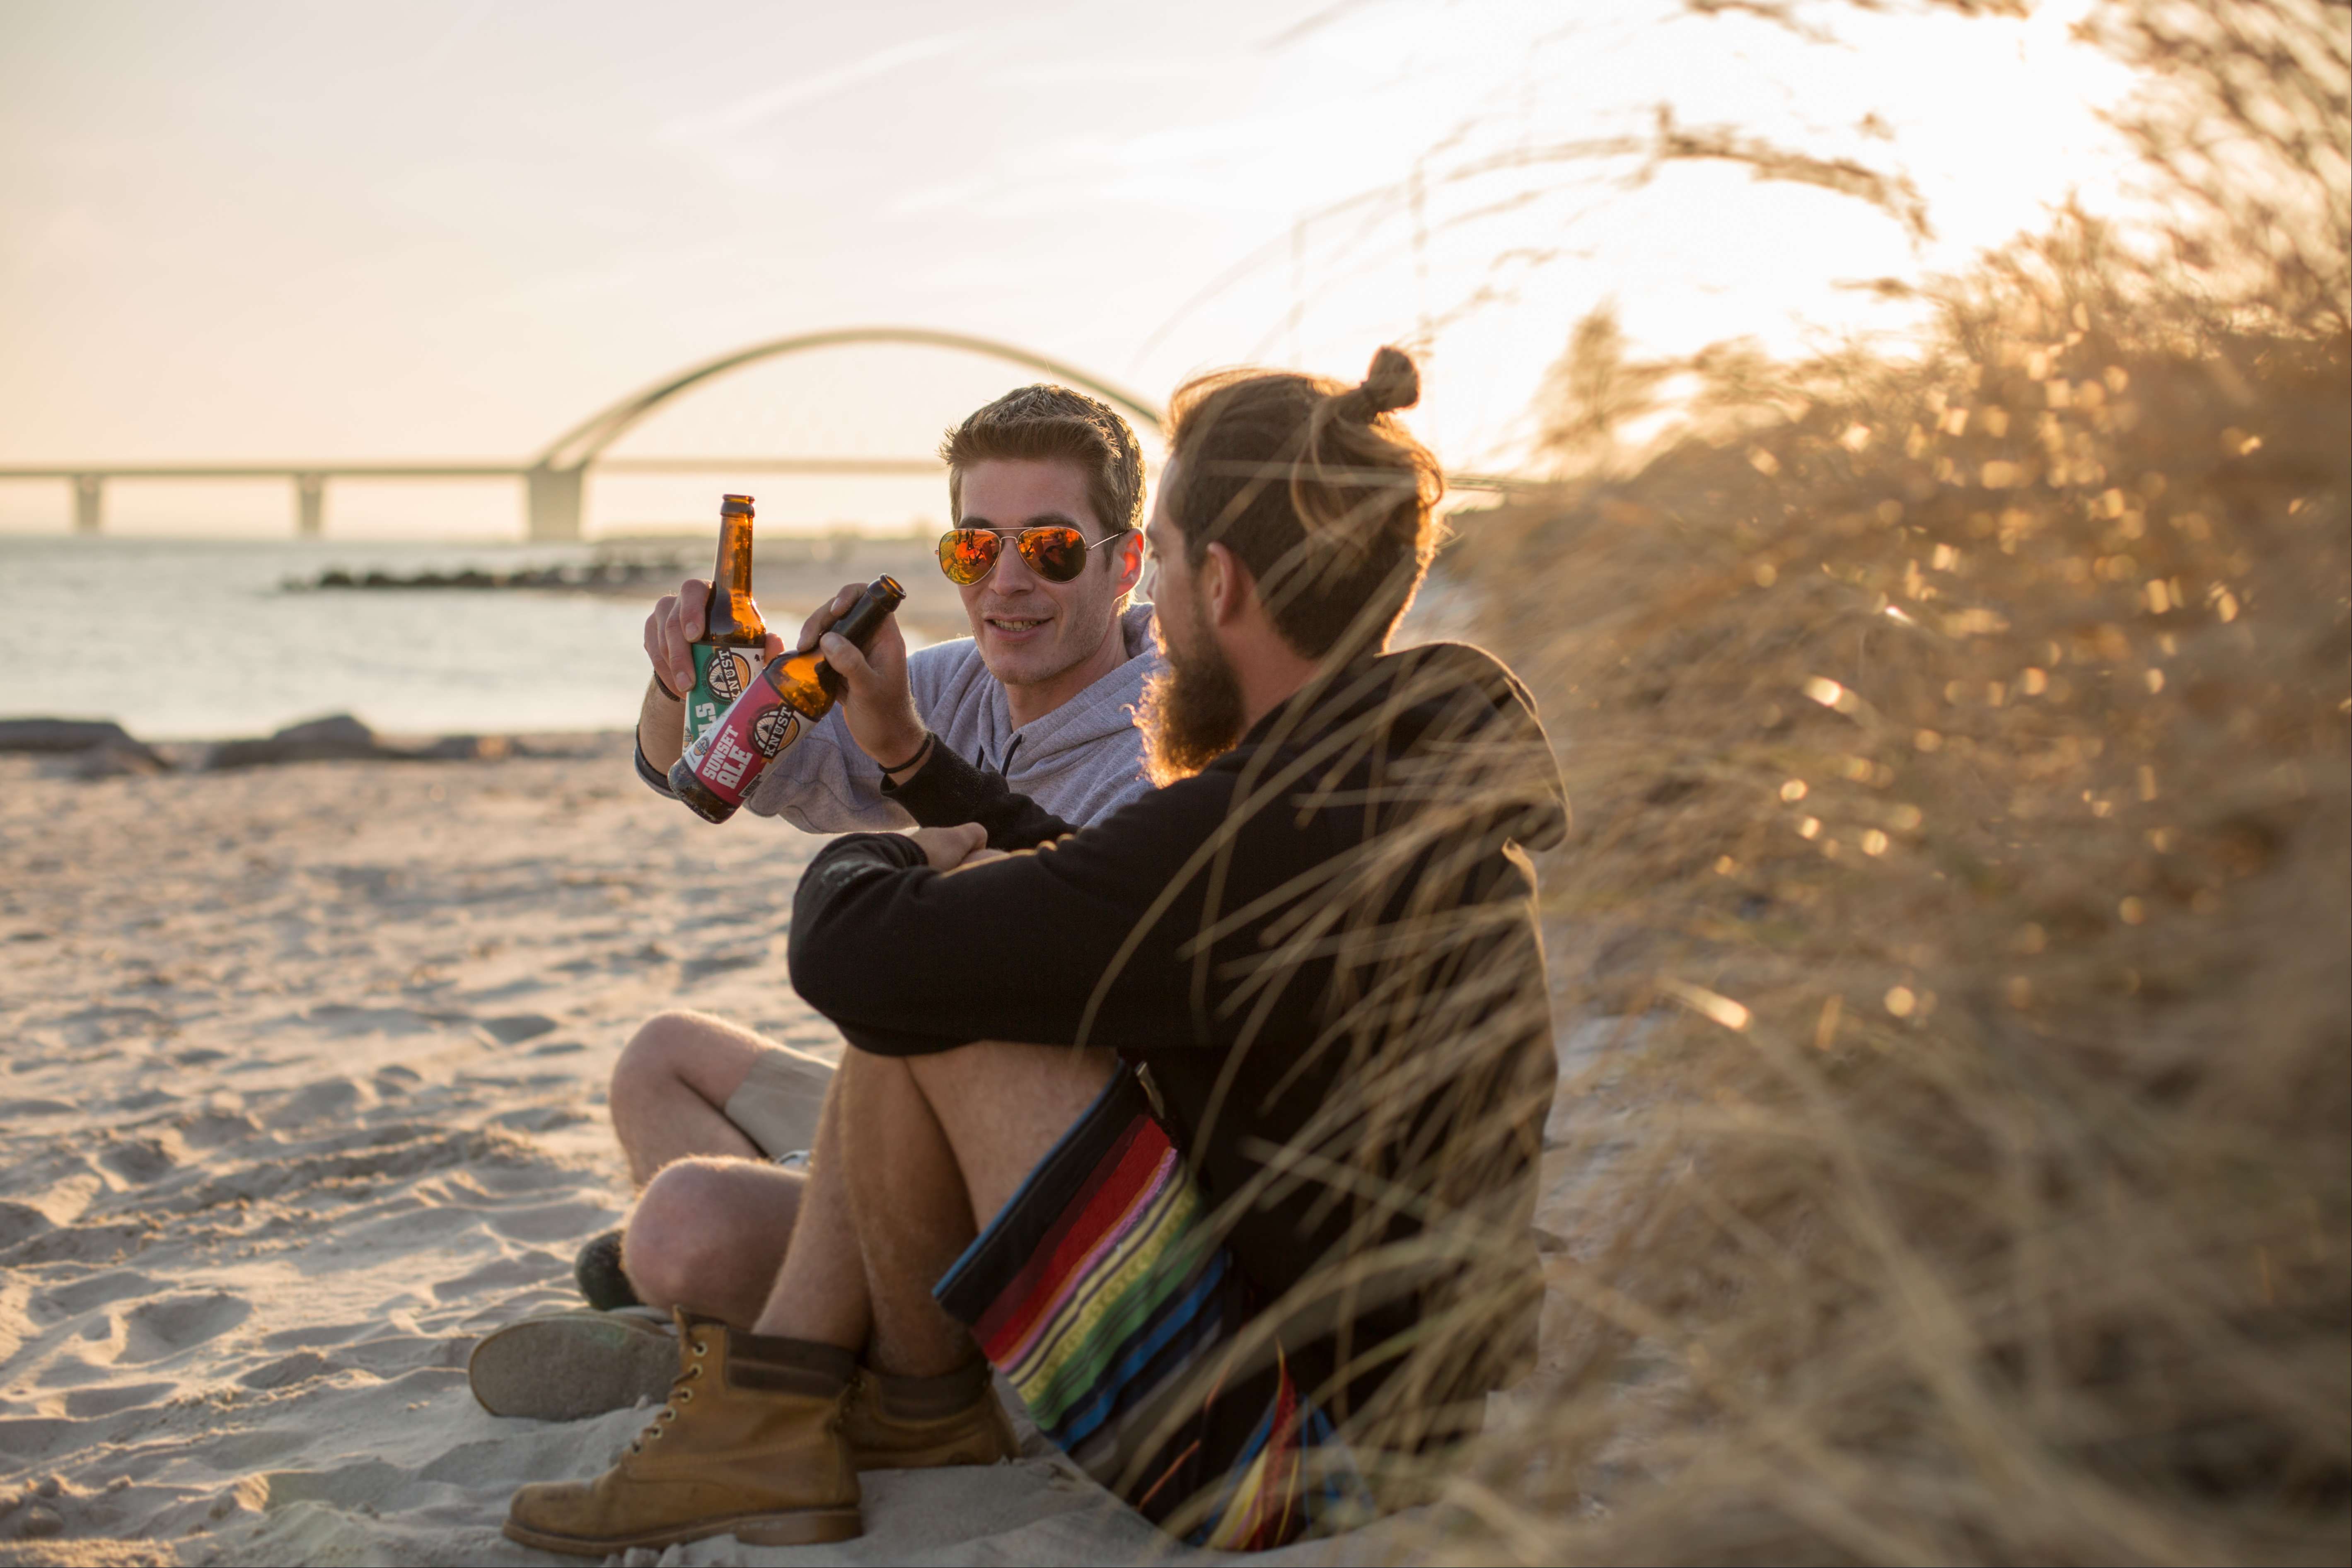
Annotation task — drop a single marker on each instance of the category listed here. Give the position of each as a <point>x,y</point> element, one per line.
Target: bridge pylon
<point>310,505</point>
<point>554,498</point>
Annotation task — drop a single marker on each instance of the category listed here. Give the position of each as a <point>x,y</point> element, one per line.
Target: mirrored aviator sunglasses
<point>1056,552</point>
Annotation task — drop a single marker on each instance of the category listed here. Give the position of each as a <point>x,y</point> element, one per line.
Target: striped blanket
<point>1101,1296</point>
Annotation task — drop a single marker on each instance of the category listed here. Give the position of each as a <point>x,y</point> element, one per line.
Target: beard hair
<point>1191,711</point>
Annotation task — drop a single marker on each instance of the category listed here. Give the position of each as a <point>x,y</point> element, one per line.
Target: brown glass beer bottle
<point>791,694</point>
<point>730,650</point>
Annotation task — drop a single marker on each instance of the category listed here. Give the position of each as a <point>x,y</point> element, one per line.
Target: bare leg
<point>912,1209</point>
<point>710,1235</point>
<point>819,1292</point>
<point>935,1146</point>
<point>670,1086</point>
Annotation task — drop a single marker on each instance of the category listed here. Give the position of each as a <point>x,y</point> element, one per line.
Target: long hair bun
<point>1327,502</point>
<point>1391,382</point>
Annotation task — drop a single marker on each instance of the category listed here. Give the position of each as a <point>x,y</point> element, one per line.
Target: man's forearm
<point>947,791</point>
<point>661,727</point>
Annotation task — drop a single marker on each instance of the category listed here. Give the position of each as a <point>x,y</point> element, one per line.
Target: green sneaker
<point>574,1364</point>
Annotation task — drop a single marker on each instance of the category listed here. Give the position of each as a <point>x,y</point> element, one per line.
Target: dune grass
<point>1960,747</point>
<point>1960,768</point>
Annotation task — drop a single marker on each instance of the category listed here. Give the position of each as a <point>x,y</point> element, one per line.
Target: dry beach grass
<point>1959,744</point>
<point>1959,752</point>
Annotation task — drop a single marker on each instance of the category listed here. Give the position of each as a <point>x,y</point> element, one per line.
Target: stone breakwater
<point>99,748</point>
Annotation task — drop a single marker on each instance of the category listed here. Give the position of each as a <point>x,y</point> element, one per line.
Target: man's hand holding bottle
<point>879,704</point>
<point>672,629</point>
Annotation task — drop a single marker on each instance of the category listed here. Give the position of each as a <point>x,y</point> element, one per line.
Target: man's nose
<point>1013,574</point>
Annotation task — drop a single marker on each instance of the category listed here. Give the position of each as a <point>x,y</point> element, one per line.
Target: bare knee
<point>708,1056</point>
<point>653,1057</point>
<point>679,1241</point>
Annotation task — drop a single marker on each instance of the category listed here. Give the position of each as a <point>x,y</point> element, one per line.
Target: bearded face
<point>1192,711</point>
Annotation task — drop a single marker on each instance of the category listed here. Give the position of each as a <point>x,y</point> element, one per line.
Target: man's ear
<point>1224,585</point>
<point>1131,562</point>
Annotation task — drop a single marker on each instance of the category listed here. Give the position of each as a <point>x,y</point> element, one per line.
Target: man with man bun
<point>1212,1125</point>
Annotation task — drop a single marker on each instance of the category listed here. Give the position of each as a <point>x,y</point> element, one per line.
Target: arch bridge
<point>557,476</point>
<point>555,480</point>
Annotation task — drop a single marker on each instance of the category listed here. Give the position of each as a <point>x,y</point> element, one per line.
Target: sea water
<point>198,640</point>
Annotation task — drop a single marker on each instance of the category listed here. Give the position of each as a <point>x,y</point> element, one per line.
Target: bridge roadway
<point>555,480</point>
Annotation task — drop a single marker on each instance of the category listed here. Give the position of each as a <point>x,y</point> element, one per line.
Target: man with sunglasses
<point>1046,489</point>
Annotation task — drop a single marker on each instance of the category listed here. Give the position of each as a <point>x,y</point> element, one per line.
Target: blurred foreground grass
<point>1959,752</point>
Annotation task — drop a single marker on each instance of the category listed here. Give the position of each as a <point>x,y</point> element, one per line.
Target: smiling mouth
<point>1016,623</point>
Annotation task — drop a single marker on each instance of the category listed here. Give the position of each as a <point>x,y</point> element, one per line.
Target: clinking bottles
<point>729,654</point>
<point>787,697</point>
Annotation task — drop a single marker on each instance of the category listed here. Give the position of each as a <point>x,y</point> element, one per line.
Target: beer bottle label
<point>750,733</point>
<point>720,676</point>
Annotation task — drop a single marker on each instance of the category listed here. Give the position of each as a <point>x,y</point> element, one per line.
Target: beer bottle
<point>730,649</point>
<point>787,697</point>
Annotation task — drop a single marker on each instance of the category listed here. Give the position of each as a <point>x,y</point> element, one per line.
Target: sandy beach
<point>301,1091</point>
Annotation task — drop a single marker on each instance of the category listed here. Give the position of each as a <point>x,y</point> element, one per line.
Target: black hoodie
<point>1357,1055</point>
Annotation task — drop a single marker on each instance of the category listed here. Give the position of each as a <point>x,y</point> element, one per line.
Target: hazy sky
<point>244,230</point>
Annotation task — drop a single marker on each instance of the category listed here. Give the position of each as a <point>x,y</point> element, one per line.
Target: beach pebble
<point>39,1522</point>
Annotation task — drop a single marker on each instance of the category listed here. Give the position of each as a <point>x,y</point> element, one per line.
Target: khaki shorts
<point>780,1101</point>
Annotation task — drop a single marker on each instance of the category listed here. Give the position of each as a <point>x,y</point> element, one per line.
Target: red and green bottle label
<point>753,730</point>
<point>720,676</point>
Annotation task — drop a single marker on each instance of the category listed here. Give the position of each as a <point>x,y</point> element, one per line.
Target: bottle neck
<point>806,665</point>
<point>864,619</point>
<point>731,612</point>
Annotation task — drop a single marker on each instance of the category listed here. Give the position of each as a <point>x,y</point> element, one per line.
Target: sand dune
<point>301,1075</point>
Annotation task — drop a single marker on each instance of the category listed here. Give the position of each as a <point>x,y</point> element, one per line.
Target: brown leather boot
<point>917,1423</point>
<point>750,1445</point>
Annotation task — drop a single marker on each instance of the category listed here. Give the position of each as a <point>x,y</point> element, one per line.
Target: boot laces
<point>681,1394</point>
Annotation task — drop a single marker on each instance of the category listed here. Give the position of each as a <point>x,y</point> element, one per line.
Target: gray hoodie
<point>1081,762</point>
